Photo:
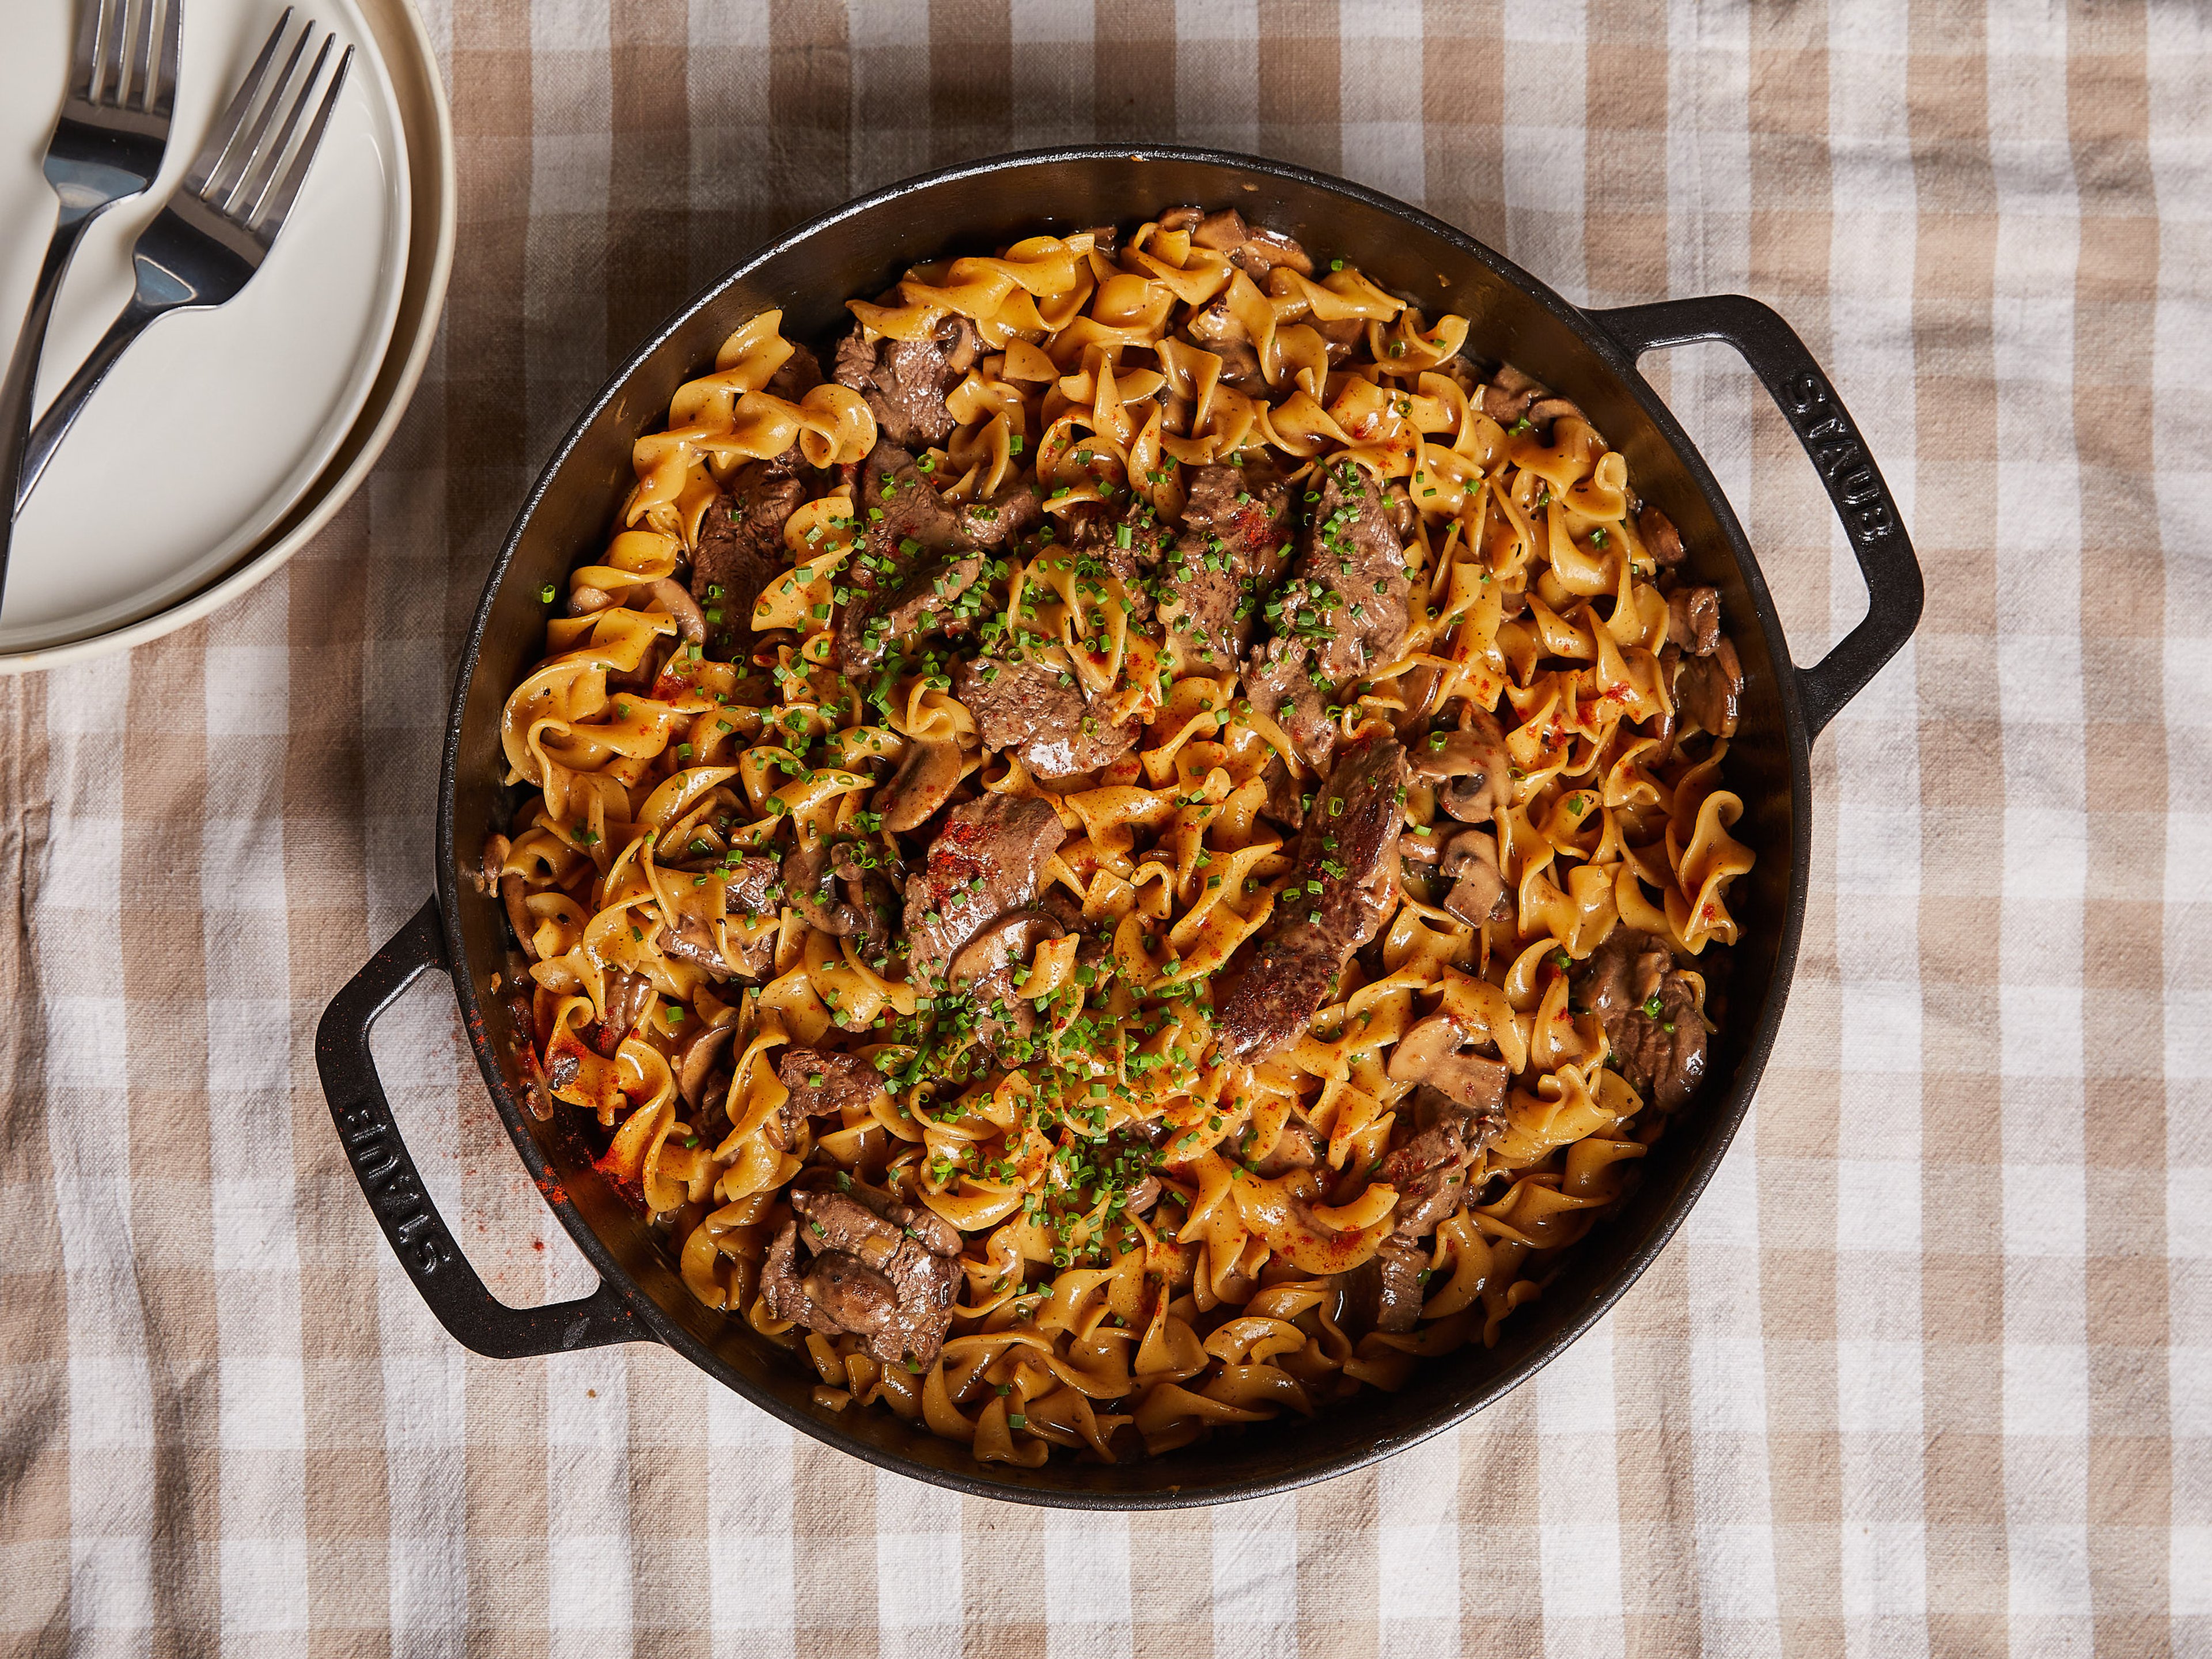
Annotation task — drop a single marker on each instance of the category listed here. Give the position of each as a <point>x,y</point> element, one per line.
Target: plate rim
<point>418,90</point>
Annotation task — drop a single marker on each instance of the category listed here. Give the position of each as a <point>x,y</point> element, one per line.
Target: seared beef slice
<point>1233,547</point>
<point>987,860</point>
<point>1349,847</point>
<point>1036,711</point>
<point>916,561</point>
<point>1342,614</point>
<point>905,381</point>
<point>884,1271</point>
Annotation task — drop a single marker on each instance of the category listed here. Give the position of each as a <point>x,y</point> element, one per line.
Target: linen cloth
<point>1928,1371</point>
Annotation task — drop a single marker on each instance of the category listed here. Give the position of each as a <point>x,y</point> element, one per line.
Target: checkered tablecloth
<point>1928,1371</point>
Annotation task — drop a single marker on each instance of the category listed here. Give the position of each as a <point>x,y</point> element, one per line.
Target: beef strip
<point>1649,1013</point>
<point>905,381</point>
<point>1280,680</point>
<point>800,373</point>
<point>987,860</point>
<point>1130,544</point>
<point>883,1270</point>
<point>1694,620</point>
<point>1428,1166</point>
<point>750,886</point>
<point>741,551</point>
<point>1232,548</point>
<point>997,522</point>
<point>1286,798</point>
<point>824,1082</point>
<point>1350,846</point>
<point>628,996</point>
<point>917,560</point>
<point>1030,710</point>
<point>1353,569</point>
<point>1343,612</point>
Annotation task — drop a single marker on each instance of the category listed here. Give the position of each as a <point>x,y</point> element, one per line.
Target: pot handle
<point>1817,416</point>
<point>412,1223</point>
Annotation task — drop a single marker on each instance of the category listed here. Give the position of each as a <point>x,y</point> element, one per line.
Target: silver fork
<point>107,145</point>
<point>207,243</point>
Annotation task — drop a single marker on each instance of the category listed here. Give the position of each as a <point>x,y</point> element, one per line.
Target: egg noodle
<point>1138,1264</point>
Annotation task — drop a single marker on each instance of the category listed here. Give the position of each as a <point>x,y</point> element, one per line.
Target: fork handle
<point>61,414</point>
<point>22,384</point>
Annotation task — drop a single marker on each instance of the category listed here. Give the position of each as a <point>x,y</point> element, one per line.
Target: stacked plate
<point>224,439</point>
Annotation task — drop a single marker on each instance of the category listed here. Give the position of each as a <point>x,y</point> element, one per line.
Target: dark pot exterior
<point>860,249</point>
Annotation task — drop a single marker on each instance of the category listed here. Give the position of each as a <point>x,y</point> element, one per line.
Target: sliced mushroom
<point>926,776</point>
<point>1660,539</point>
<point>1545,411</point>
<point>1430,1053</point>
<point>1450,755</point>
<point>627,995</point>
<point>523,1037</point>
<point>1694,620</point>
<point>512,894</point>
<point>1300,1146</point>
<point>1258,252</point>
<point>988,963</point>
<point>1470,860</point>
<point>1472,763</point>
<point>690,620</point>
<point>805,872</point>
<point>850,861</point>
<point>1666,726</point>
<point>877,903</point>
<point>1708,689</point>
<point>1508,394</point>
<point>588,601</point>
<point>698,1062</point>
<point>1419,686</point>
<point>695,943</point>
<point>1421,844</point>
<point>1007,941</point>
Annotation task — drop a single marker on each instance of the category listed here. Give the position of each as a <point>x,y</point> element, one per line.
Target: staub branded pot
<point>860,249</point>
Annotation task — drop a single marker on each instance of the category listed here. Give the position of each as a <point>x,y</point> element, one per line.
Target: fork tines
<point>116,66</point>
<point>251,169</point>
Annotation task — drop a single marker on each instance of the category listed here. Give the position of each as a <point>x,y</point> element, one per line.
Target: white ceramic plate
<point>216,423</point>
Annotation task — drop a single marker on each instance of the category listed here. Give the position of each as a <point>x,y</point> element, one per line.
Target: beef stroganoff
<point>1143,853</point>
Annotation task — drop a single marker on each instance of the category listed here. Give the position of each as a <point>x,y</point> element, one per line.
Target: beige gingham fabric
<point>1928,1372</point>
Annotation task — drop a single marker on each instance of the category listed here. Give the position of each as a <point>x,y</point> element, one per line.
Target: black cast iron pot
<point>860,249</point>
